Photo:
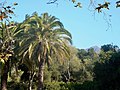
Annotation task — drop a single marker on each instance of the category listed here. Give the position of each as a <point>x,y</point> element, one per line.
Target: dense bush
<point>17,86</point>
<point>107,73</point>
<point>52,86</point>
<point>70,86</point>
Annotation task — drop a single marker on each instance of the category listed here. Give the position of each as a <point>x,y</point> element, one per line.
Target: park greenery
<point>37,54</point>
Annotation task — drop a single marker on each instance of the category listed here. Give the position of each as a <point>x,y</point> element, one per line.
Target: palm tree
<point>44,37</point>
<point>7,40</point>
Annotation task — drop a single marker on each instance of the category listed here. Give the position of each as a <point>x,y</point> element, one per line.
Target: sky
<point>87,29</point>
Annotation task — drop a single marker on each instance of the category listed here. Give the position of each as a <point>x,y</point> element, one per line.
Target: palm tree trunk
<point>5,76</point>
<point>40,74</point>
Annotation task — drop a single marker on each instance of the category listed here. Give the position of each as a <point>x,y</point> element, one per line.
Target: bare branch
<point>52,1</point>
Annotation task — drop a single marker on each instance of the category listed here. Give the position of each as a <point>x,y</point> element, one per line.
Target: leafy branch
<point>6,12</point>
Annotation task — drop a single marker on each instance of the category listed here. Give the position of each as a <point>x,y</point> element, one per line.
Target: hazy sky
<point>86,28</point>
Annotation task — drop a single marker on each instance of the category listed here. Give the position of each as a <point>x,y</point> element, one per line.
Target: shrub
<point>51,86</point>
<point>88,85</point>
<point>17,86</point>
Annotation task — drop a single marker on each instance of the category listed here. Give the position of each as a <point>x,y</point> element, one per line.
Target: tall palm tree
<point>44,37</point>
<point>8,33</point>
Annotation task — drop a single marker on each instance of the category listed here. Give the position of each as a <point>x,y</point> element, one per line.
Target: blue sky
<point>86,28</point>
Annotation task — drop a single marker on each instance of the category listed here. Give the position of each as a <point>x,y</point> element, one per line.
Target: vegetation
<point>82,70</point>
<point>37,54</point>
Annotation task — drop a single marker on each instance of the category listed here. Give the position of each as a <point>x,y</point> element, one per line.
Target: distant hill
<point>96,49</point>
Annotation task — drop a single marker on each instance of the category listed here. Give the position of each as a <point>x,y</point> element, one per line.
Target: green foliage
<point>70,86</point>
<point>107,73</point>
<point>52,86</point>
<point>17,86</point>
<point>8,34</point>
<point>47,75</point>
<point>15,75</point>
<point>45,38</point>
<point>110,47</point>
<point>107,51</point>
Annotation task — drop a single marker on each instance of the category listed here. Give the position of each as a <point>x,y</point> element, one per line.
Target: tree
<point>107,73</point>
<point>44,37</point>
<point>29,73</point>
<point>107,51</point>
<point>7,32</point>
<point>7,42</point>
<point>5,53</point>
<point>110,47</point>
